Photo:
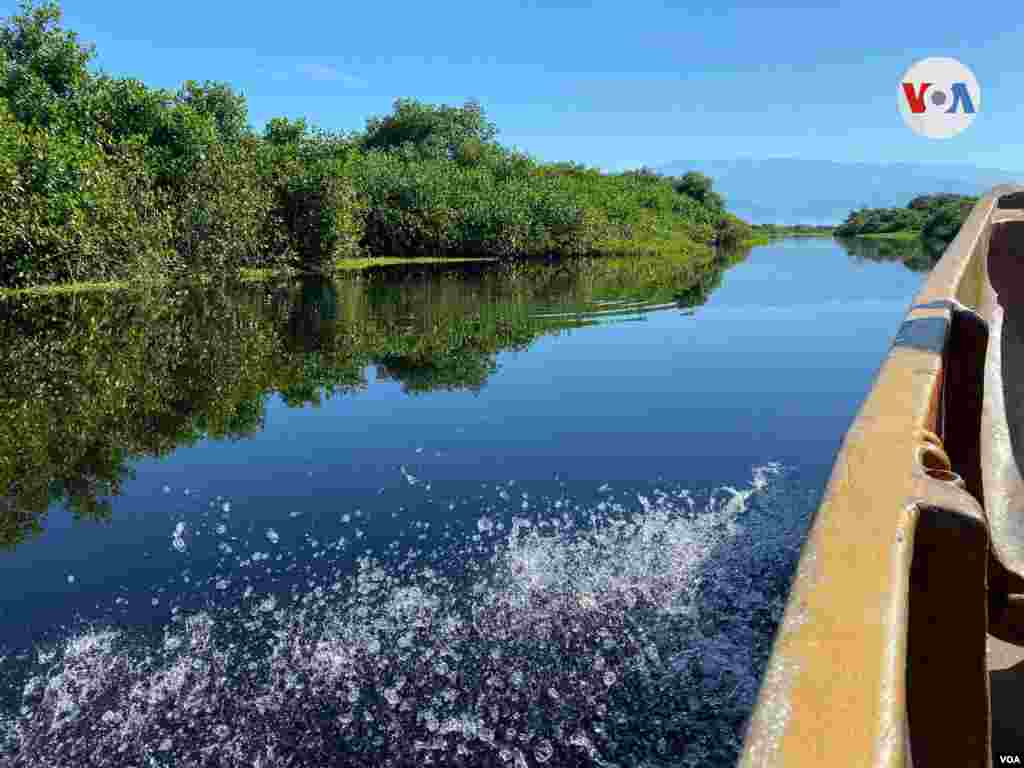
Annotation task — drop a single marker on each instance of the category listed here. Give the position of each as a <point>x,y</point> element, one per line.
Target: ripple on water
<point>635,635</point>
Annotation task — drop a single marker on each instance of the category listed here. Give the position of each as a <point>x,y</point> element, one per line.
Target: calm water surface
<point>485,517</point>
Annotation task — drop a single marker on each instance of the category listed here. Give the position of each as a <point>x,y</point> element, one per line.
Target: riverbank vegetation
<point>791,230</point>
<point>935,219</point>
<point>106,179</point>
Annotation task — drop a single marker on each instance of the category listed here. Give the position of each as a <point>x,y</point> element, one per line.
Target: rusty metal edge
<point>835,686</point>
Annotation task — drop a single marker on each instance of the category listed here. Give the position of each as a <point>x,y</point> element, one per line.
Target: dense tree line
<point>107,178</point>
<point>788,230</point>
<point>936,217</point>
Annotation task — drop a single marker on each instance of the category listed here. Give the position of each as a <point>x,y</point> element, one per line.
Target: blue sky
<point>610,84</point>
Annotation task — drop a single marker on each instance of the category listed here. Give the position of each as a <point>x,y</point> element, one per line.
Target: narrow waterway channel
<point>469,517</point>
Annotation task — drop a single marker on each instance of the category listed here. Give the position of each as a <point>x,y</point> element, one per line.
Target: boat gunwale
<point>836,684</point>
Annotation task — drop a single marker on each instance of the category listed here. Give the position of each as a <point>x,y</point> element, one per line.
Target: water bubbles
<point>110,717</point>
<point>412,480</point>
<point>346,518</point>
<point>221,529</point>
<point>71,578</point>
<point>604,488</point>
<point>178,537</point>
<point>543,751</point>
<point>268,604</point>
<point>167,489</point>
<point>460,645</point>
<point>430,721</point>
<point>226,506</point>
<point>295,513</point>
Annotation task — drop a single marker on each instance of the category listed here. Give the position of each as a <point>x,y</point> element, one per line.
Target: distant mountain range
<point>794,191</point>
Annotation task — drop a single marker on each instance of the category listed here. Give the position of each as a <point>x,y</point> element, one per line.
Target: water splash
<point>632,635</point>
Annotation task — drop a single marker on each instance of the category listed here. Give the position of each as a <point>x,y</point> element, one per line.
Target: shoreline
<point>644,250</point>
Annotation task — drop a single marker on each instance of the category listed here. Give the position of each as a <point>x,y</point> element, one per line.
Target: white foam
<point>555,639</point>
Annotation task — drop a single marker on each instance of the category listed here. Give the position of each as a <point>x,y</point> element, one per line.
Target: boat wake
<point>627,634</point>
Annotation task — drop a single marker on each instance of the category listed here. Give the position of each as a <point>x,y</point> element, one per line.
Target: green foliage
<point>733,231</point>
<point>935,217</point>
<point>73,211</point>
<point>321,213</point>
<point>41,65</point>
<point>281,131</point>
<point>425,131</point>
<point>116,109</point>
<point>440,206</point>
<point>698,186</point>
<point>222,212</point>
<point>109,179</point>
<point>789,230</point>
<point>881,220</point>
<point>228,109</point>
<point>315,207</point>
<point>644,207</point>
<point>930,202</point>
<point>945,219</point>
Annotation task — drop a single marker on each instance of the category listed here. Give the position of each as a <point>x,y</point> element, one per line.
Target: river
<point>476,516</point>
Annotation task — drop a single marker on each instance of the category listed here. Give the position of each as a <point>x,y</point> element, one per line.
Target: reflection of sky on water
<point>771,368</point>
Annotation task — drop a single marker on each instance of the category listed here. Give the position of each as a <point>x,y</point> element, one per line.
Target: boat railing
<point>880,659</point>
